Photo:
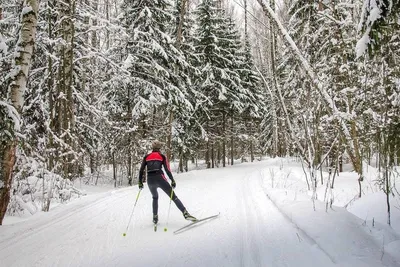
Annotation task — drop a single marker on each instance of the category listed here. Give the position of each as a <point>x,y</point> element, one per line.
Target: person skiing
<point>156,179</point>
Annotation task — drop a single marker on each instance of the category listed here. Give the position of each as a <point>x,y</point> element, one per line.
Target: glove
<point>140,185</point>
<point>173,184</point>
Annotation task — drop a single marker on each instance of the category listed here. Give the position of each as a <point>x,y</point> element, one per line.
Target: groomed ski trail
<point>268,238</point>
<point>250,230</point>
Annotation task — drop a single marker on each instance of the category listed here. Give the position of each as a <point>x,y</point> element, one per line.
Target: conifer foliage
<point>107,78</point>
<point>226,77</point>
<point>152,56</point>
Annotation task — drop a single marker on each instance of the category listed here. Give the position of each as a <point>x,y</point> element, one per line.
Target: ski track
<point>250,253</point>
<point>39,226</point>
<point>249,232</point>
<point>63,233</point>
<point>267,230</point>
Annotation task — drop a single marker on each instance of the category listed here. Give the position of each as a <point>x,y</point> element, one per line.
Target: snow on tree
<point>153,57</point>
<point>18,79</point>
<point>375,17</point>
<point>107,77</point>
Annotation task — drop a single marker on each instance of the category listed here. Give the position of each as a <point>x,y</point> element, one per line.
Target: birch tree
<point>18,77</point>
<point>349,133</point>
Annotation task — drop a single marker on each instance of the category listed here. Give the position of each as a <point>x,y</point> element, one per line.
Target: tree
<point>159,81</point>
<point>376,17</point>
<point>381,38</point>
<point>13,107</point>
<point>222,66</point>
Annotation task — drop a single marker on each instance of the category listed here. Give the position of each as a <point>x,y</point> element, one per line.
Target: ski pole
<point>133,209</point>
<point>169,209</point>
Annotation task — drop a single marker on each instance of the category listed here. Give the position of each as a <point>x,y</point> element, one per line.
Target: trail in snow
<point>250,231</point>
<point>271,239</point>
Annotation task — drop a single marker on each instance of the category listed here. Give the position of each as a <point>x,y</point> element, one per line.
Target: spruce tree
<point>224,74</point>
<point>186,128</point>
<point>152,56</point>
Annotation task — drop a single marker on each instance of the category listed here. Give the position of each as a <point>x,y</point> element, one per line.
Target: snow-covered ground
<point>266,219</point>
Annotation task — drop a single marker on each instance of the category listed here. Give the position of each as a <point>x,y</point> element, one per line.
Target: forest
<point>91,83</point>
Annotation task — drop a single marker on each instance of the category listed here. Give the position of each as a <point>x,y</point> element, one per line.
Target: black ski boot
<point>188,216</point>
<point>155,218</point>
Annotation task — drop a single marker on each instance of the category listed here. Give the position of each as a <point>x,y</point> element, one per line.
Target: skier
<point>156,179</point>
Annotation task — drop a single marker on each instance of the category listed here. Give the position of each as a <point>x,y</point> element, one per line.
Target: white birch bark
<point>18,79</point>
<point>287,116</point>
<point>350,138</point>
<point>23,53</point>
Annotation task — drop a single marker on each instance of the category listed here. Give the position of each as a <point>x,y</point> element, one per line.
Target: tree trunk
<point>208,163</point>
<point>69,119</point>
<point>232,157</point>
<point>180,161</point>
<point>107,18</point>
<point>251,142</point>
<point>349,136</point>
<point>386,175</point>
<point>181,19</point>
<point>8,159</point>
<point>94,39</point>
<point>50,84</point>
<point>355,156</point>
<point>18,77</point>
<point>169,136</point>
<point>182,12</point>
<point>223,140</point>
<point>130,171</point>
<point>212,156</point>
<point>114,169</point>
<point>64,117</point>
<point>208,154</point>
<point>273,95</point>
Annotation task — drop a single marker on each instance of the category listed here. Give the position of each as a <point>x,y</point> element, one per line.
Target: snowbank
<point>344,234</point>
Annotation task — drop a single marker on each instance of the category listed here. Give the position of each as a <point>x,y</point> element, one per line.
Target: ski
<point>195,222</point>
<point>155,227</point>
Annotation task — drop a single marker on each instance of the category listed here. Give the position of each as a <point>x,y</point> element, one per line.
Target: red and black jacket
<point>154,163</point>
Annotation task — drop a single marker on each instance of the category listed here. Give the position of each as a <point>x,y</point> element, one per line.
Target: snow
<point>128,62</point>
<point>13,114</point>
<point>3,45</point>
<point>267,219</point>
<point>362,44</point>
<point>374,15</point>
<point>26,10</point>
<point>367,208</point>
<point>286,187</point>
<point>309,70</point>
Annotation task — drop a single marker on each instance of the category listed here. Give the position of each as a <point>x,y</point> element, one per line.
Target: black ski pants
<point>158,181</point>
